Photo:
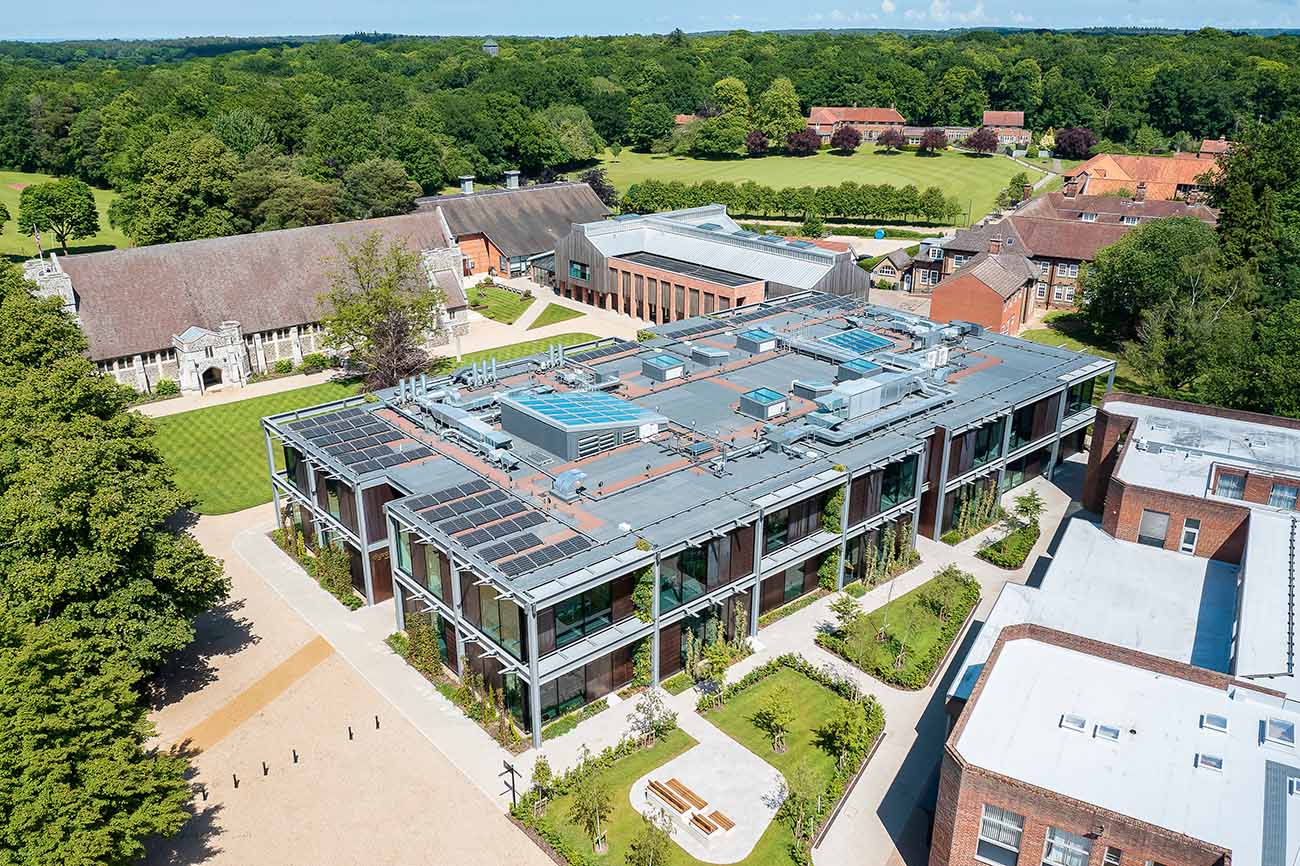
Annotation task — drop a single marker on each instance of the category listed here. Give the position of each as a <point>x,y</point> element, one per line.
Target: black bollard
<point>295,755</point>
<point>349,732</point>
<point>265,769</point>
<point>236,778</point>
<point>376,723</point>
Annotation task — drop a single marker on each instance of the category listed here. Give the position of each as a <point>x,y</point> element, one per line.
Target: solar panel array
<point>580,408</point>
<point>463,510</point>
<point>857,340</point>
<point>601,351</point>
<point>359,439</point>
<point>544,556</point>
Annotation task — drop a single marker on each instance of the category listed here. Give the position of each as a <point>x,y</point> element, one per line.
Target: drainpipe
<point>534,687</point>
<point>921,460</point>
<point>758,574</point>
<point>943,479</point>
<point>362,536</point>
<point>456,606</point>
<point>1006,448</point>
<point>1056,442</point>
<point>270,462</point>
<point>844,528</point>
<point>654,616</point>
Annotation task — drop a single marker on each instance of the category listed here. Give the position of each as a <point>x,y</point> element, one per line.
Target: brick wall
<point>964,297</point>
<point>964,788</point>
<point>482,253</point>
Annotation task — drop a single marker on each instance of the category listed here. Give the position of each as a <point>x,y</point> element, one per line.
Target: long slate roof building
<point>218,310</point>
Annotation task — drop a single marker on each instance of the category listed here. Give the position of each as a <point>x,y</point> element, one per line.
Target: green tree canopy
<point>1140,272</point>
<point>381,309</point>
<point>777,113</point>
<point>180,191</point>
<point>63,207</point>
<point>377,188</point>
<point>647,122</point>
<point>574,131</point>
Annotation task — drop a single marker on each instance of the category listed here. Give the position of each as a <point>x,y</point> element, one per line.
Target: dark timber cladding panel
<point>670,650</point>
<point>622,597</point>
<point>355,567</point>
<point>742,552</point>
<point>372,500</point>
<point>864,496</point>
<point>347,506</point>
<point>1045,415</point>
<point>381,575</point>
<point>772,592</point>
<point>445,563</point>
<point>469,598</point>
<point>600,677</point>
<point>321,498</point>
<point>420,564</point>
<point>930,500</point>
<point>546,630</point>
<point>623,665</point>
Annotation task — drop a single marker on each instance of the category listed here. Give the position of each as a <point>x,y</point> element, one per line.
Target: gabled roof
<point>1004,273</point>
<point>1213,147</point>
<point>899,258</point>
<point>1004,118</point>
<point>1109,208</point>
<point>822,114</point>
<point>521,222</point>
<point>1108,172</point>
<point>135,300</point>
<point>976,238</point>
<point>1062,239</point>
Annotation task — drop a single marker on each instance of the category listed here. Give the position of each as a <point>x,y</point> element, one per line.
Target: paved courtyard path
<point>298,758</point>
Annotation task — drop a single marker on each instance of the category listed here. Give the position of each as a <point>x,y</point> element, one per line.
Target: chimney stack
<point>995,244</point>
<point>512,180</point>
<point>1141,193</point>
<point>467,184</point>
<point>1027,192</point>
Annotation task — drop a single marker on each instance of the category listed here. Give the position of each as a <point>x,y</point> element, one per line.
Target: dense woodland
<point>237,135</point>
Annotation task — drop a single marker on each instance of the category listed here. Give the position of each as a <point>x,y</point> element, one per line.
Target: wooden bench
<point>703,827</point>
<point>674,802</point>
<point>687,794</point>
<point>722,821</point>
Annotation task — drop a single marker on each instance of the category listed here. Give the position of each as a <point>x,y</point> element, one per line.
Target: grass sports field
<point>974,181</point>
<point>218,452</point>
<point>18,246</point>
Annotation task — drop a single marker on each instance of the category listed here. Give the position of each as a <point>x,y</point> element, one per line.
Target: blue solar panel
<point>857,340</point>
<point>764,395</point>
<point>577,408</point>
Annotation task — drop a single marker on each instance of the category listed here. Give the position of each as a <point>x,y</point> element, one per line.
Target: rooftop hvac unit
<point>763,404</point>
<point>663,368</point>
<point>707,356</point>
<point>810,390</point>
<point>756,340</point>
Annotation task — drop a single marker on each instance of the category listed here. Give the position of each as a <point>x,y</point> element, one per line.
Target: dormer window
<point>1214,722</point>
<point>1088,217</point>
<point>1071,722</point>
<point>1130,220</point>
<point>1213,763</point>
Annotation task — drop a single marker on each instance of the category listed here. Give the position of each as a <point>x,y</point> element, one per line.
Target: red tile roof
<point>1214,147</point>
<point>1111,172</point>
<point>683,119</point>
<point>1004,118</point>
<point>821,114</point>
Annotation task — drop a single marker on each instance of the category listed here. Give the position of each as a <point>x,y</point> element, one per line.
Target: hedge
<point>677,683</point>
<point>1012,550</point>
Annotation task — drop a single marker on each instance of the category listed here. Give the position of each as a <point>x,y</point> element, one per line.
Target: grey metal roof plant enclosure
<point>756,340</point>
<point>763,404</point>
<point>663,368</point>
<point>577,423</point>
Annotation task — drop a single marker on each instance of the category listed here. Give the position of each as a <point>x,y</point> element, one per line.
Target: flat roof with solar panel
<point>576,409</point>
<point>858,340</point>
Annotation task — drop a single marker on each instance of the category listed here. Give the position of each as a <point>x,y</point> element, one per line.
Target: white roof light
<point>1106,732</point>
<point>1214,763</point>
<point>1071,722</point>
<point>1215,722</point>
<point>1280,731</point>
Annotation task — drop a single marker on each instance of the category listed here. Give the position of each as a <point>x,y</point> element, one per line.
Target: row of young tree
<point>847,200</point>
<point>1207,314</point>
<point>97,590</point>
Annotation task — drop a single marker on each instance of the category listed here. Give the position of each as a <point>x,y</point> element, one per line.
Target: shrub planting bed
<point>1013,549</point>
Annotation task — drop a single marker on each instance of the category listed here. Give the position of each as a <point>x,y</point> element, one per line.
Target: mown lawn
<point>974,181</point>
<point>218,452</point>
<point>554,314</point>
<point>815,704</point>
<point>624,821</point>
<point>498,304</point>
<point>1069,331</point>
<point>23,246</point>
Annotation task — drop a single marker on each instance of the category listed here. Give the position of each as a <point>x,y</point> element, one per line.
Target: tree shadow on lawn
<point>221,631</point>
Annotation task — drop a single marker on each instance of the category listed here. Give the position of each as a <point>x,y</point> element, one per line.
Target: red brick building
<point>1187,477</point>
<point>868,121</point>
<point>992,290</point>
<point>1074,752</point>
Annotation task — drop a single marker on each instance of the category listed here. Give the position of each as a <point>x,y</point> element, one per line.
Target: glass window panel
<point>694,566</point>
<point>404,551</point>
<point>1066,849</point>
<point>568,621</point>
<point>1283,496</point>
<point>511,638</point>
<point>1230,486</point>
<point>491,617</point>
<point>793,583</point>
<point>670,585</point>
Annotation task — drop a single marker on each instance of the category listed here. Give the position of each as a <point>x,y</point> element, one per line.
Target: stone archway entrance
<point>211,378</point>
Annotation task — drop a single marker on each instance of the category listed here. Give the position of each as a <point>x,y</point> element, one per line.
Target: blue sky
<point>156,18</point>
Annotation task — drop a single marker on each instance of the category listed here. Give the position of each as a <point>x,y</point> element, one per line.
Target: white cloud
<point>839,16</point>
<point>887,6</point>
<point>1021,18</point>
<point>941,12</point>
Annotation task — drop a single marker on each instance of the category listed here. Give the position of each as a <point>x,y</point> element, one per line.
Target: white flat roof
<point>1151,773</point>
<point>1176,451</point>
<point>1157,601</point>
<point>1265,643</point>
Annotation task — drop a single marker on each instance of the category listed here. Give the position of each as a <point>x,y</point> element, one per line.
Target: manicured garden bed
<point>920,626</point>
<point>498,303</point>
<point>566,723</point>
<point>1012,549</point>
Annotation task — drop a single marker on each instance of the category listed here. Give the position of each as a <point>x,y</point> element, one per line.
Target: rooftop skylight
<point>1106,732</point>
<point>1071,722</point>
